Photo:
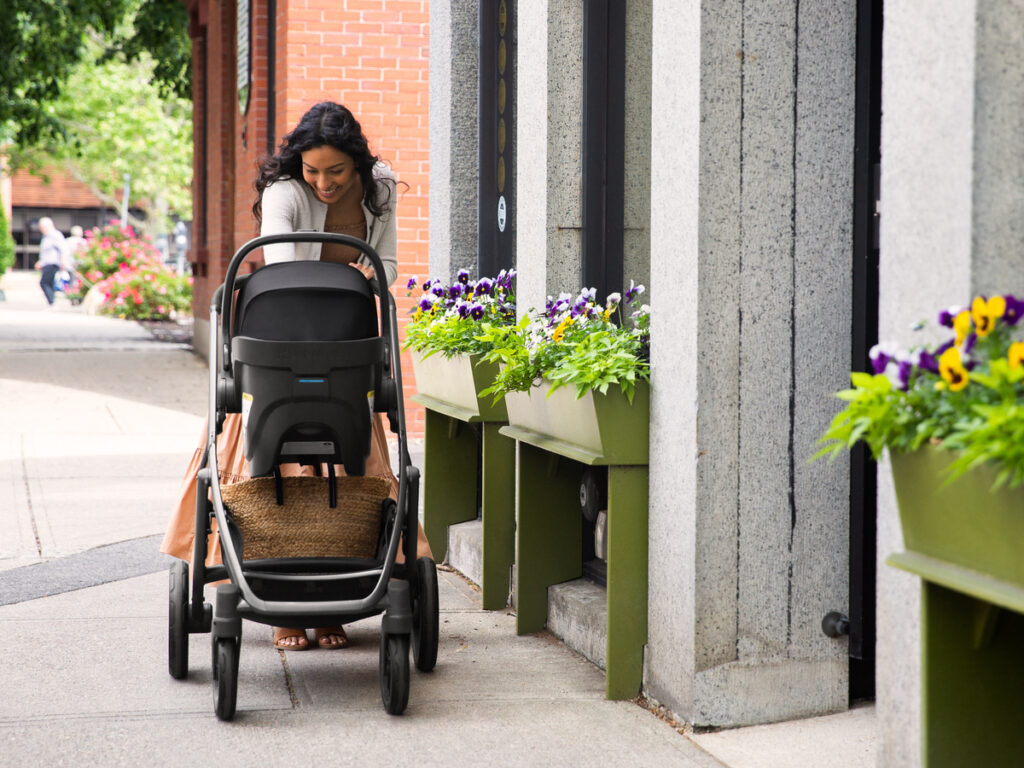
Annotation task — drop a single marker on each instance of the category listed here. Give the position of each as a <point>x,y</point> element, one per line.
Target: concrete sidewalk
<point>97,422</point>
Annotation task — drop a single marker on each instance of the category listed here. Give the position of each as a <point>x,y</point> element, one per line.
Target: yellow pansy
<point>985,313</point>
<point>1016,354</point>
<point>952,370</point>
<point>962,326</point>
<point>559,333</point>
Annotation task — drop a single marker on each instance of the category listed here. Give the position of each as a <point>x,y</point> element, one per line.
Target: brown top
<point>343,254</point>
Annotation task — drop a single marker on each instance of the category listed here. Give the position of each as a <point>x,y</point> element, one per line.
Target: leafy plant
<point>461,318</point>
<point>575,342</point>
<point>6,243</point>
<point>129,273</point>
<point>964,395</point>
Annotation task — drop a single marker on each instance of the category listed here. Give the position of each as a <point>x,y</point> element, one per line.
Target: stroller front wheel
<point>394,672</point>
<point>425,627</point>
<point>225,676</point>
<point>177,630</point>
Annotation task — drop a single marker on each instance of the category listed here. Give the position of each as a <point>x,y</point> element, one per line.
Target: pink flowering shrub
<point>131,276</point>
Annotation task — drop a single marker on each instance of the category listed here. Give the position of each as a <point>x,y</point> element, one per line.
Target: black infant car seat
<point>306,355</point>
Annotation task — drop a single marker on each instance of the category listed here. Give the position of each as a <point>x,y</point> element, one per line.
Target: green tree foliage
<point>115,119</point>
<point>6,243</point>
<point>161,32</point>
<point>44,40</point>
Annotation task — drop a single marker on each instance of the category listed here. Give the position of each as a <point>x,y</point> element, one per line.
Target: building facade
<point>258,65</point>
<point>784,221</point>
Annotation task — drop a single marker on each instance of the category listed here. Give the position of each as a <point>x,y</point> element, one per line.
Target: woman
<point>322,178</point>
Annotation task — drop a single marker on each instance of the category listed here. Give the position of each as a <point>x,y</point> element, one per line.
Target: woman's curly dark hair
<point>326,124</point>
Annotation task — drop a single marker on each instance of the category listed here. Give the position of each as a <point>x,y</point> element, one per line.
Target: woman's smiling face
<point>330,172</point>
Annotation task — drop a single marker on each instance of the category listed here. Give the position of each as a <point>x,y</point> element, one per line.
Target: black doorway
<point>867,164</point>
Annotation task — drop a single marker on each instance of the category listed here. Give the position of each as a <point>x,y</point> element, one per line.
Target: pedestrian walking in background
<point>52,250</point>
<point>75,243</point>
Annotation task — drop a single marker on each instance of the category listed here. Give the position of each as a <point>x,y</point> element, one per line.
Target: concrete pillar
<point>636,236</point>
<point>998,187</point>
<point>549,165</point>
<point>454,142</point>
<point>952,200</point>
<point>751,210</point>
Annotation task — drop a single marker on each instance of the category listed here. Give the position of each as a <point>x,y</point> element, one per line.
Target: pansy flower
<point>952,370</point>
<point>463,276</point>
<point>925,360</point>
<point>1016,354</point>
<point>1014,310</point>
<point>962,325</point>
<point>986,312</point>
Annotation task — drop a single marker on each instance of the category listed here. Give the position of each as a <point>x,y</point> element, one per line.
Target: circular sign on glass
<point>502,213</point>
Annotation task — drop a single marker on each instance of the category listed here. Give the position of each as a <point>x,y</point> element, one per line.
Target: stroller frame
<point>406,593</point>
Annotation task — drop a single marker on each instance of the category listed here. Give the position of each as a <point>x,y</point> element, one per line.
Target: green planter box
<point>450,385</point>
<point>596,430</point>
<point>964,541</point>
<point>460,429</point>
<point>963,522</point>
<point>593,429</point>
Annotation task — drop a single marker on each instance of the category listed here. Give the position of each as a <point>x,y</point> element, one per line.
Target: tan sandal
<point>324,635</point>
<point>283,634</point>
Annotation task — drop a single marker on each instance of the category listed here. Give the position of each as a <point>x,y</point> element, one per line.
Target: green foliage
<point>461,318</point>
<point>128,272</point>
<point>965,396</point>
<point>160,34</point>
<point>6,243</point>
<point>42,43</point>
<point>575,343</point>
<point>117,123</point>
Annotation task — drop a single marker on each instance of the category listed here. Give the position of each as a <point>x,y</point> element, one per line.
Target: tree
<point>42,43</point>
<point>117,123</point>
<point>43,40</point>
<point>117,117</point>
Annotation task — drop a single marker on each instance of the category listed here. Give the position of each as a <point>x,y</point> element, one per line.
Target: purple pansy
<point>1014,310</point>
<point>927,361</point>
<point>879,359</point>
<point>463,276</point>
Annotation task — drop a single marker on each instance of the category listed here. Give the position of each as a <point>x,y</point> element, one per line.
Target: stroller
<point>299,355</point>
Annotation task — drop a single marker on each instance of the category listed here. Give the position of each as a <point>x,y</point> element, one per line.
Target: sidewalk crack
<point>288,680</point>
<point>28,498</point>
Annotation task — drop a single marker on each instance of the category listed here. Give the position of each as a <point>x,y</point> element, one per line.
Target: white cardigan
<point>290,205</point>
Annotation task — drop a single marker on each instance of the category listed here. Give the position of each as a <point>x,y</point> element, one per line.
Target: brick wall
<point>372,56</point>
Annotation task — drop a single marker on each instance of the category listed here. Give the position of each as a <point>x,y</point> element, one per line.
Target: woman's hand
<point>365,270</point>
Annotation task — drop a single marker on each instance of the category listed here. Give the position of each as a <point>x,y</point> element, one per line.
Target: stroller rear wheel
<point>394,672</point>
<point>225,676</point>
<point>425,616</point>
<point>177,630</point>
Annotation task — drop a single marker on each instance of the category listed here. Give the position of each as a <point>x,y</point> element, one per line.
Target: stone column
<point>454,142</point>
<point>952,201</point>
<point>549,149</point>
<point>751,211</point>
